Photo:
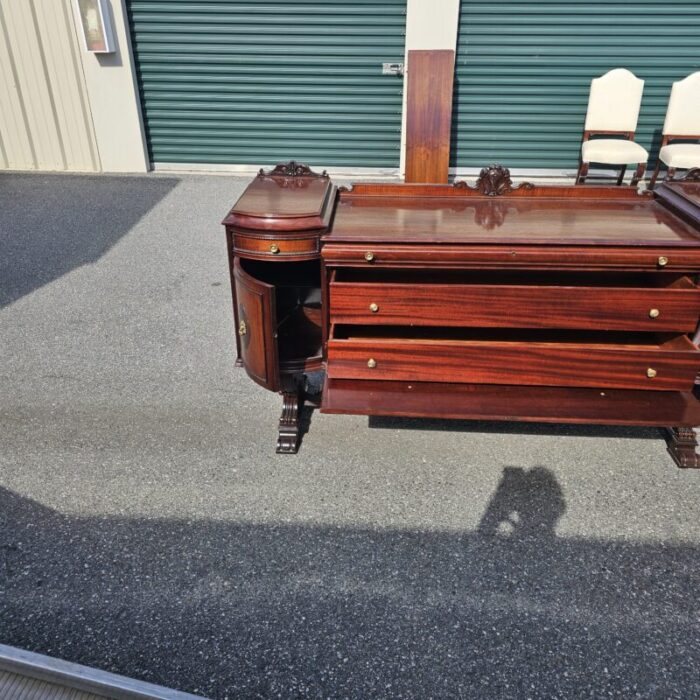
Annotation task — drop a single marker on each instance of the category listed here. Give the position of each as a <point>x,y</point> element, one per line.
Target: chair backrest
<point>683,114</point>
<point>614,101</point>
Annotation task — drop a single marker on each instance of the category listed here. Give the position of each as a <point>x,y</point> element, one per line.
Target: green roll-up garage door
<point>524,71</point>
<point>232,82</point>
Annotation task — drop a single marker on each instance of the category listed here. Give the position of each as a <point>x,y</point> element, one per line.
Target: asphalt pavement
<point>148,528</point>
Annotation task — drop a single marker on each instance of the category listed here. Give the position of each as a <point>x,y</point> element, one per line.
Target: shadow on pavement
<point>261,610</point>
<point>513,427</point>
<point>52,224</point>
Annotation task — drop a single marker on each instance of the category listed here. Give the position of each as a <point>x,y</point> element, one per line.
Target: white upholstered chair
<point>682,122</point>
<point>613,109</point>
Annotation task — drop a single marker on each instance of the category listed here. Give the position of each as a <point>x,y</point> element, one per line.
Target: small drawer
<point>616,302</point>
<point>618,361</point>
<point>257,247</point>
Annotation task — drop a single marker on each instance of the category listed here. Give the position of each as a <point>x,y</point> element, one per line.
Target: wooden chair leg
<point>652,182</point>
<point>582,172</point>
<point>641,167</point>
<point>620,179</point>
<point>670,174</point>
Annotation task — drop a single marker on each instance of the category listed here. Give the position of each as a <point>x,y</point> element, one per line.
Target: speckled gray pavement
<point>148,528</point>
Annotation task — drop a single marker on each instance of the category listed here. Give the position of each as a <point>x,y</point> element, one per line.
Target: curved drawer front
<point>514,306</point>
<point>269,248</point>
<point>669,365</point>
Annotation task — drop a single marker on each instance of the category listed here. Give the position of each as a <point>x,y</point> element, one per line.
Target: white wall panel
<point>45,120</point>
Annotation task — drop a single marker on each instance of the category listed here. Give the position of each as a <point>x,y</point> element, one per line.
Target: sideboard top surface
<point>538,219</point>
<point>283,203</point>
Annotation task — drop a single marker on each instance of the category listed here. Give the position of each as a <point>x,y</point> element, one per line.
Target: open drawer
<point>597,301</point>
<point>490,356</point>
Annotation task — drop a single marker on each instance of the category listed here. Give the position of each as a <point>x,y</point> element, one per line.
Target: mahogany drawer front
<point>681,259</point>
<point>514,306</point>
<point>275,247</point>
<point>671,366</point>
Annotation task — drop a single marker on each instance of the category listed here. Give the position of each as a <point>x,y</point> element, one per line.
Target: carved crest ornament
<point>291,169</point>
<point>494,181</point>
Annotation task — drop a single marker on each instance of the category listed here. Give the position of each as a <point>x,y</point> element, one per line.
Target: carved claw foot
<point>681,444</point>
<point>288,436</point>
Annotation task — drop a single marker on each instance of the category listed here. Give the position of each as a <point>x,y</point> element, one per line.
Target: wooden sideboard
<point>491,301</point>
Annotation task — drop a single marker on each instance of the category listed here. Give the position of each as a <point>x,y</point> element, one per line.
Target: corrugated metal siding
<point>226,81</point>
<point>523,73</point>
<point>15,686</point>
<point>45,121</point>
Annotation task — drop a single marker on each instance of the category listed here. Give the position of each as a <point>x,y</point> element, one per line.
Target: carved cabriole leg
<point>641,167</point>
<point>681,443</point>
<point>288,436</point>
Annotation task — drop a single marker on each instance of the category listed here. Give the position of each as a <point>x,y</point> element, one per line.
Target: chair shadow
<point>53,224</point>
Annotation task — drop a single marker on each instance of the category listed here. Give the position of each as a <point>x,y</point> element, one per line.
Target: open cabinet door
<point>257,328</point>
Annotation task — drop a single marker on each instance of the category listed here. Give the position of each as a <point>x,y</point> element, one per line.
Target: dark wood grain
<point>510,220</point>
<point>496,300</point>
<point>257,328</point>
<point>430,77</point>
<point>682,444</point>
<point>510,403</point>
<point>458,190</point>
<point>276,246</point>
<point>612,365</point>
<point>284,204</point>
<point>231,256</point>
<point>517,306</point>
<point>513,257</point>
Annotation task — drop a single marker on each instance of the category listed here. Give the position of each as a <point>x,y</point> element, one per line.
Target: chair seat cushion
<point>613,152</point>
<point>681,155</point>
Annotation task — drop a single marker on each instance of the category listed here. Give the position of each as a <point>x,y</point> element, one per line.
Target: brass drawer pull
<point>654,313</point>
<point>373,308</point>
<point>651,373</point>
<point>371,363</point>
<point>663,261</point>
<point>242,328</point>
<point>369,256</point>
<point>274,248</point>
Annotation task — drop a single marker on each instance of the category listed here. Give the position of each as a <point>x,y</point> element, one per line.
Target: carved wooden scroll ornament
<point>494,181</point>
<point>292,169</point>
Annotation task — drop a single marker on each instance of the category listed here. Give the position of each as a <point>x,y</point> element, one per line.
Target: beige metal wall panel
<point>65,76</point>
<point>45,121</point>
<point>17,147</point>
<point>114,101</point>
